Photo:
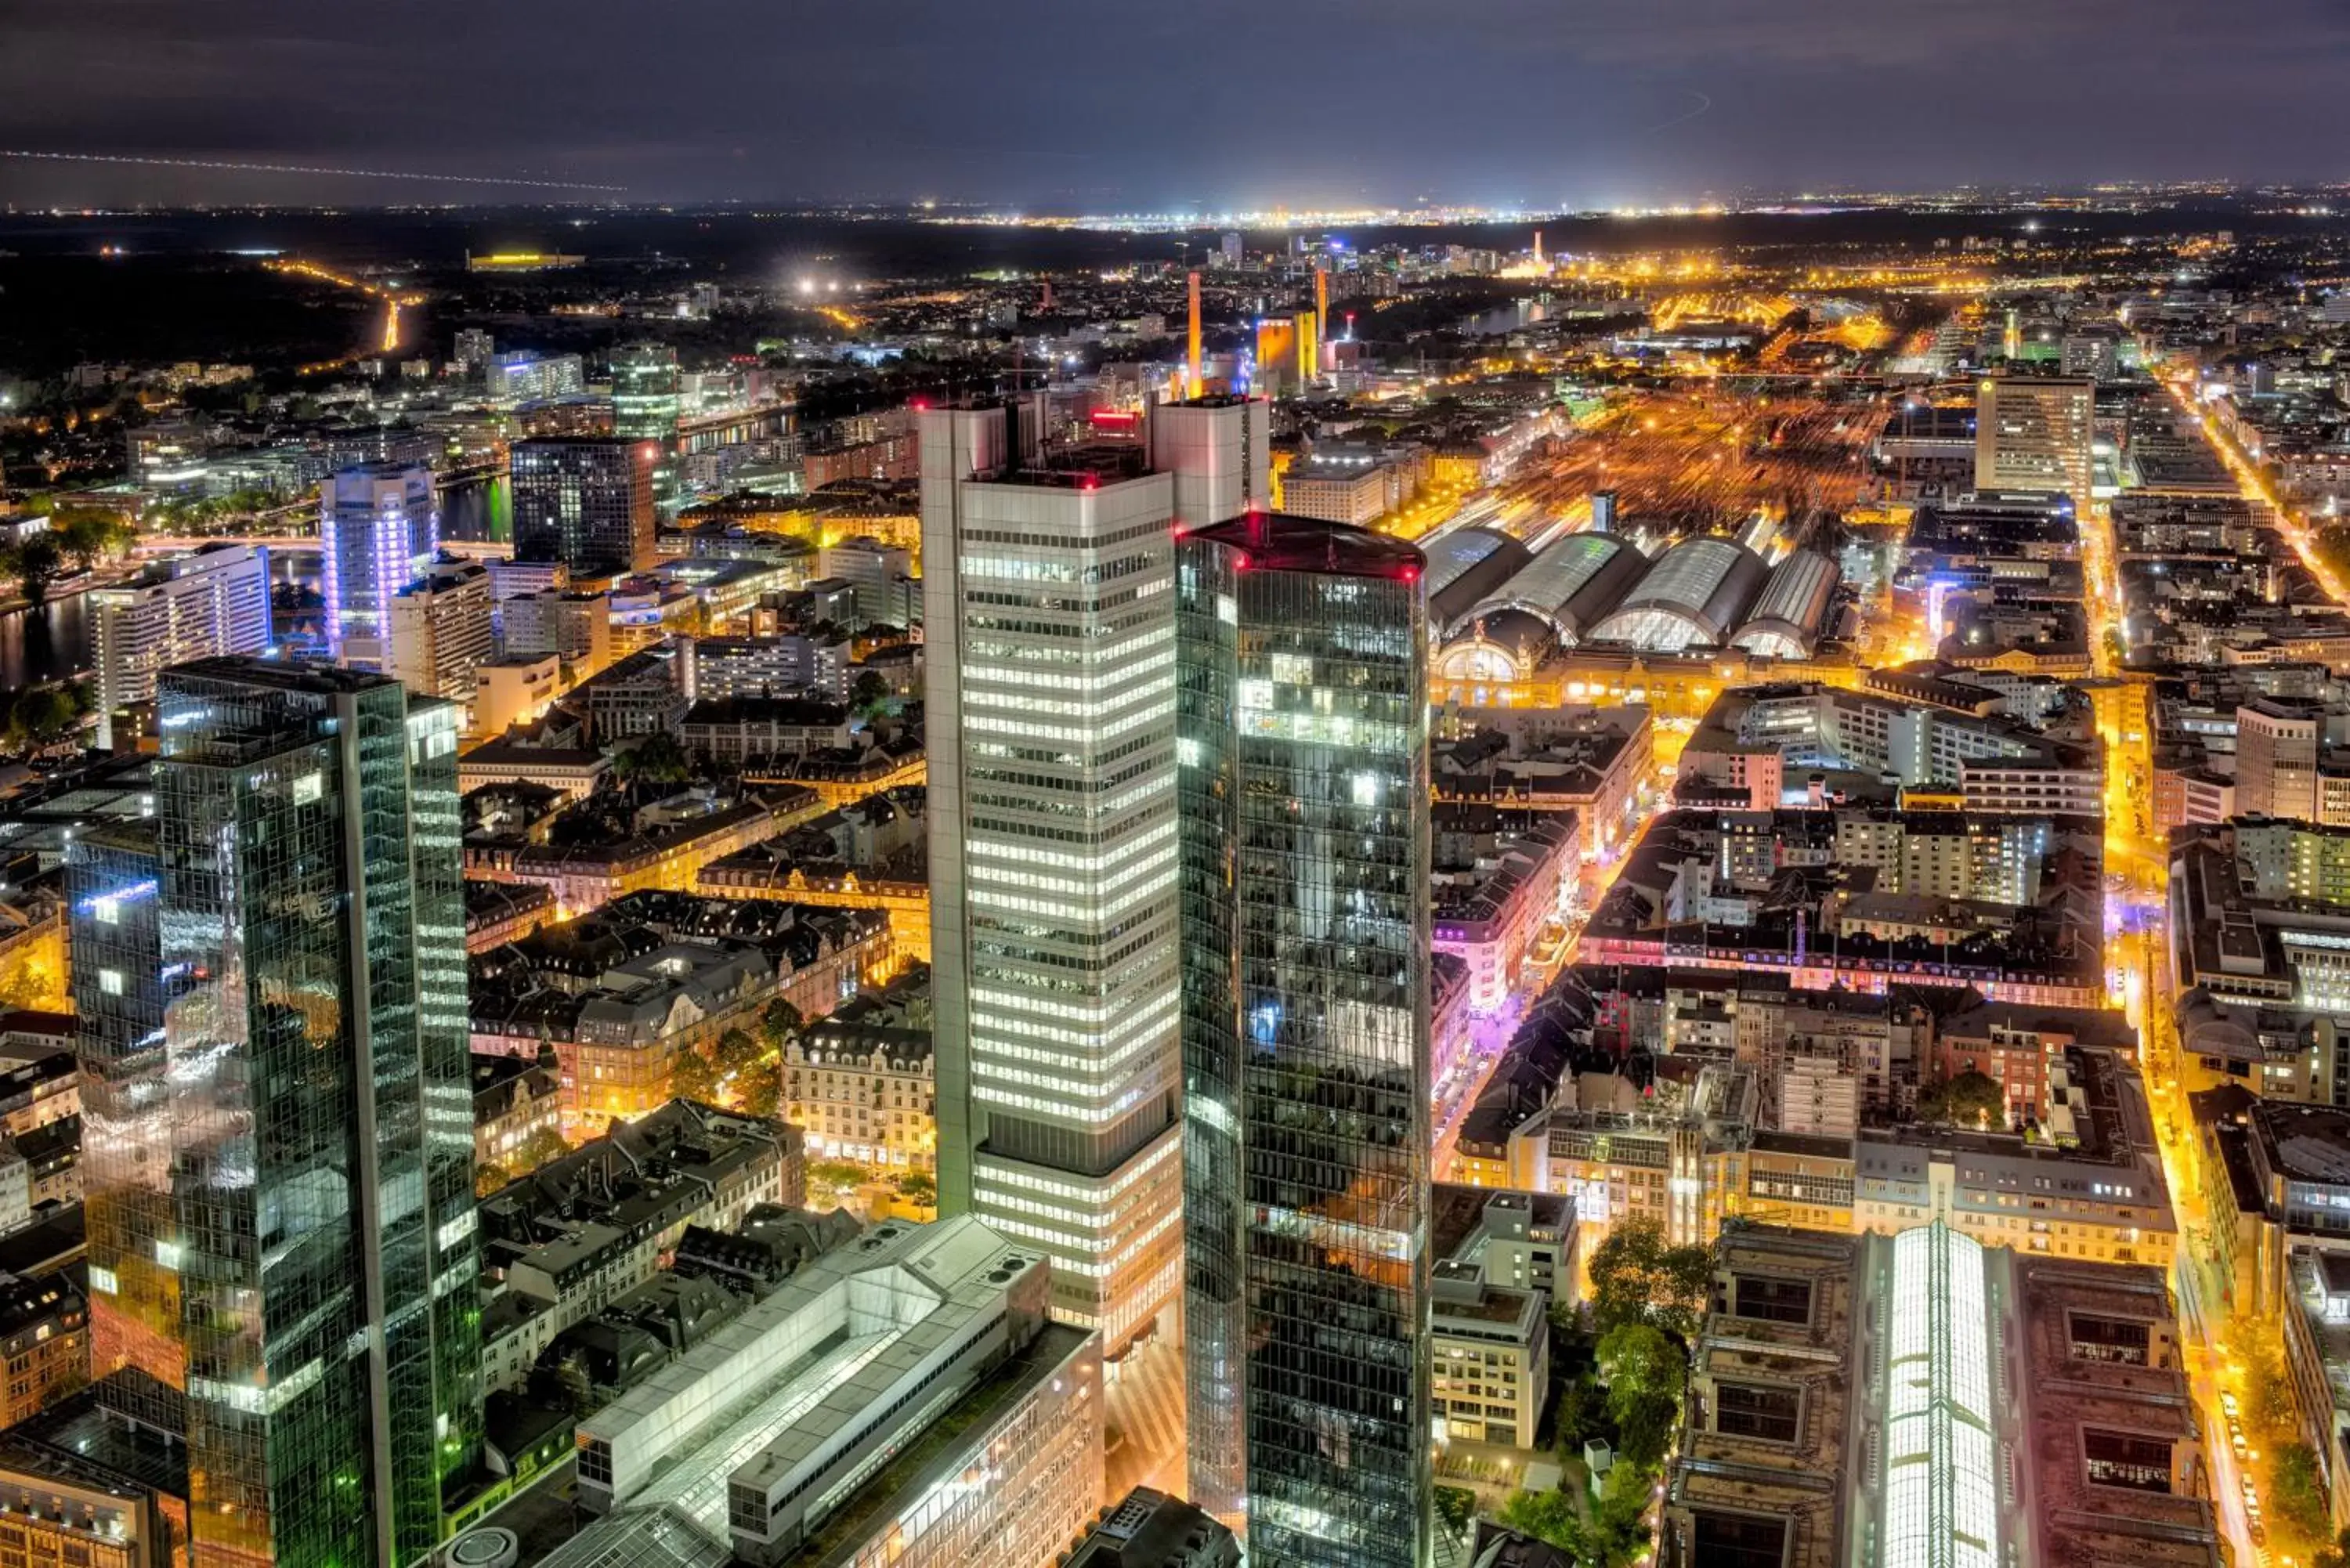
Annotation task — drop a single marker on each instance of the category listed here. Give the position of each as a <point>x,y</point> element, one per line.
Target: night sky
<point>1148,104</point>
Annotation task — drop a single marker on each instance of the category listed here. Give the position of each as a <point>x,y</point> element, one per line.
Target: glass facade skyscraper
<point>645,392</point>
<point>646,403</point>
<point>279,1152</point>
<point>585,501</point>
<point>1302,768</point>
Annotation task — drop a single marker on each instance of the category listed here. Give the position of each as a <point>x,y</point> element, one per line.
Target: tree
<point>869,692</point>
<point>1548,1516</point>
<point>694,1077</point>
<point>87,535</point>
<point>1968,1098</point>
<point>2334,1556</point>
<point>2272,1409</point>
<point>2299,1497</point>
<point>1639,1363</point>
<point>836,1175</point>
<point>761,1095</point>
<point>1645,1374</point>
<point>779,1024</point>
<point>1581,1416</point>
<point>1619,1532</point>
<point>1456,1507</point>
<point>657,759</point>
<point>43,715</point>
<point>738,1052</point>
<point>1637,1278</point>
<point>917,1188</point>
<point>541,1148</point>
<point>488,1177</point>
<point>33,562</point>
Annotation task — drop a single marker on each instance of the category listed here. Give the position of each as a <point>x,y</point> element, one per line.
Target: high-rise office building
<point>1050,720</point>
<point>585,502</point>
<point>1302,775</point>
<point>278,1144</point>
<point>2278,739</point>
<point>646,388</point>
<point>380,527</point>
<point>473,350</point>
<point>645,392</point>
<point>441,631</point>
<point>521,377</point>
<point>191,607</point>
<point>2033,433</point>
<point>1220,452</point>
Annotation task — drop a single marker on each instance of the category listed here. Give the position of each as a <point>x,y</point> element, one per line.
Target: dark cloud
<point>1178,101</point>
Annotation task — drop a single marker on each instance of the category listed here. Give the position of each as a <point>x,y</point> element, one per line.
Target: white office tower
<point>175,612</point>
<point>379,528</point>
<point>441,631</point>
<point>2033,433</point>
<point>1220,452</point>
<point>1050,718</point>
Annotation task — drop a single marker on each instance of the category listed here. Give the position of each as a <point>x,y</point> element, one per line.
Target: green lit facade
<point>646,402</point>
<point>303,1186</point>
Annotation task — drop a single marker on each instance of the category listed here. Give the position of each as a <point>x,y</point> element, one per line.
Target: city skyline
<point>1521,105</point>
<point>689,883</point>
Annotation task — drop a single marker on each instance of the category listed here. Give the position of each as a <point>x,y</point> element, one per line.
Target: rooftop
<point>1277,542</point>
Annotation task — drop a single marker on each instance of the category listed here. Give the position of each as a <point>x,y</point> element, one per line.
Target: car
<point>2227,1403</point>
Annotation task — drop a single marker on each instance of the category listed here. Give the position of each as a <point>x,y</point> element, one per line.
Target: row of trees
<point>1965,1099</point>
<point>1625,1353</point>
<point>82,538</point>
<point>741,1071</point>
<point>37,716</point>
<point>535,1151</point>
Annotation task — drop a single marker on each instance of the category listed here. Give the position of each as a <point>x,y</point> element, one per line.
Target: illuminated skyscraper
<point>1220,451</point>
<point>645,392</point>
<point>190,607</point>
<point>1302,749</point>
<point>1050,718</point>
<point>645,404</point>
<point>278,1146</point>
<point>2033,432</point>
<point>441,631</point>
<point>380,527</point>
<point>585,501</point>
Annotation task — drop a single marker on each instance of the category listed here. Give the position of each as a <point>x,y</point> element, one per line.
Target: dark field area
<point>57,311</point>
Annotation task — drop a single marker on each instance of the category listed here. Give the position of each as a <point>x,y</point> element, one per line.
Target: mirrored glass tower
<point>280,1141</point>
<point>1302,765</point>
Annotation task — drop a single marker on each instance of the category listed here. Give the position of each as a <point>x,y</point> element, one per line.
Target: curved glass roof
<point>1941,1497</point>
<point>1793,608</point>
<point>1492,558</point>
<point>1575,580</point>
<point>1452,554</point>
<point>1691,597</point>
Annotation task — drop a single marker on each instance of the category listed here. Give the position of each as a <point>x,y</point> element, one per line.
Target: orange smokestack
<point>1321,308</point>
<point>1192,361</point>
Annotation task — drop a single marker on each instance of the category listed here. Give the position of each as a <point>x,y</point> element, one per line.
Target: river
<point>478,511</point>
<point>1505,318</point>
<point>50,643</point>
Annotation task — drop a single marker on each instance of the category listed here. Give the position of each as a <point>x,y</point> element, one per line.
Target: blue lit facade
<point>281,1134</point>
<point>378,530</point>
<point>1302,767</point>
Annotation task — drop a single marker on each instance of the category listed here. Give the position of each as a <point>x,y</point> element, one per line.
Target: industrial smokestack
<point>1192,358</point>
